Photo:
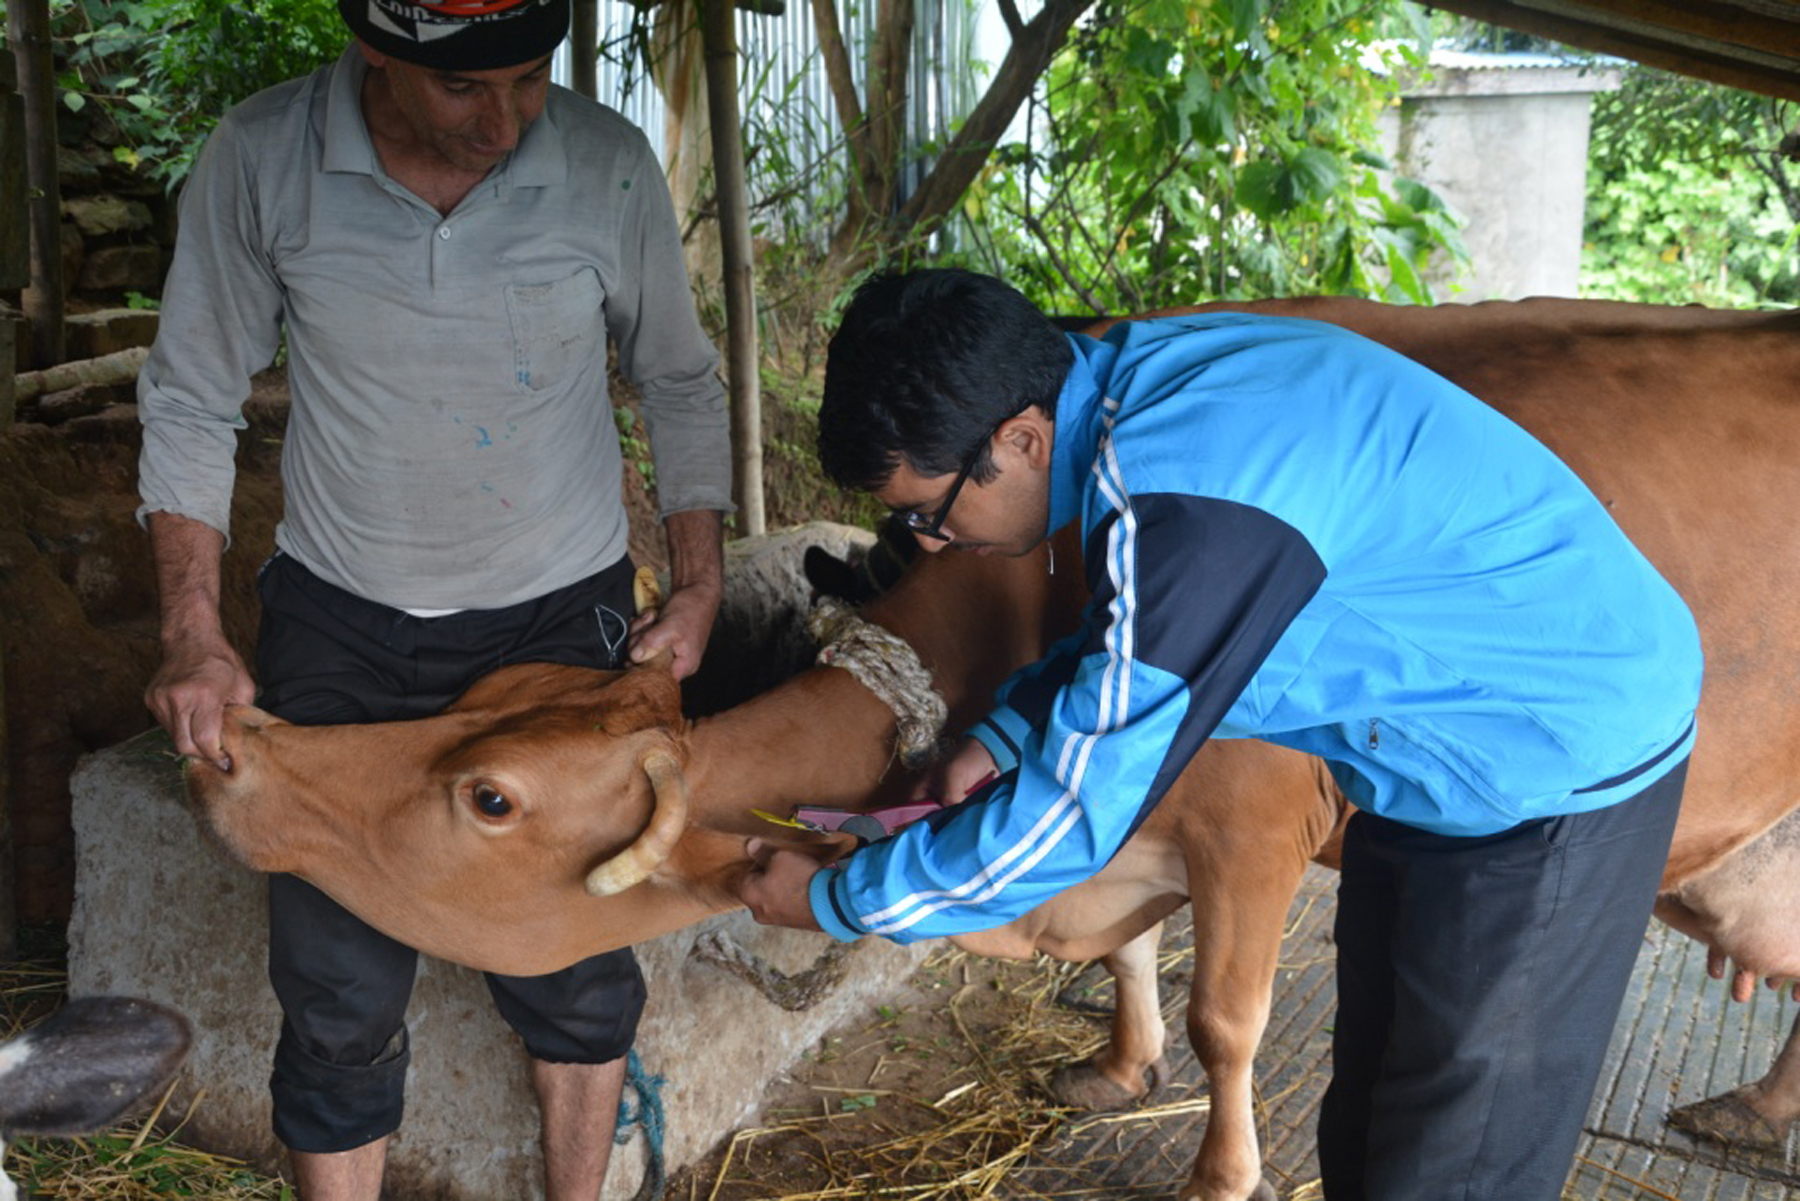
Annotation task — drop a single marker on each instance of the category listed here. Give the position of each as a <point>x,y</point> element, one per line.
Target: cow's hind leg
<point>1131,1066</point>
<point>1759,1116</point>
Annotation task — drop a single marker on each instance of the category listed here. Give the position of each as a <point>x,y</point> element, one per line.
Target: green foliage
<point>1177,151</point>
<point>1688,200</point>
<point>159,73</point>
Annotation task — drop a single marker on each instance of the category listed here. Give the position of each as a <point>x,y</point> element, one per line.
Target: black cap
<point>459,35</point>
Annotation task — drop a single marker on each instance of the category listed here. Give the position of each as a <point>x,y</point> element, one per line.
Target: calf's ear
<point>89,1064</point>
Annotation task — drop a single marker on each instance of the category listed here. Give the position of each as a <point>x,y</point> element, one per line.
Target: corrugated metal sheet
<point>783,88</point>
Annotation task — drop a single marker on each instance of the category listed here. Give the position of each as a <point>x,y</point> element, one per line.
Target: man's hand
<point>189,693</point>
<point>200,672</point>
<point>952,778</point>
<point>684,622</point>
<point>775,889</point>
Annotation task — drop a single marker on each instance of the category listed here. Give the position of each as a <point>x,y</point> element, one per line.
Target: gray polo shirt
<point>451,444</point>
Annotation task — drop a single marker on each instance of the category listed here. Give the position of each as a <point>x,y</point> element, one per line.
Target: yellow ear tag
<point>781,821</point>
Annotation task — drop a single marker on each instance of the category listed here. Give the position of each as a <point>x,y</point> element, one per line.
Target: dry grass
<point>135,1161</point>
<point>971,1119</point>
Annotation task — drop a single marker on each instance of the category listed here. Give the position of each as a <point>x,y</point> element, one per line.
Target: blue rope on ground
<point>647,1113</point>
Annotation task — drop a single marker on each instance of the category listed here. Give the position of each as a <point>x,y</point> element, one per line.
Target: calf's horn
<point>667,820</point>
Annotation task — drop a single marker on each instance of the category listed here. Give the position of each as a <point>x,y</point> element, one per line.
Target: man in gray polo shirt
<point>446,242</point>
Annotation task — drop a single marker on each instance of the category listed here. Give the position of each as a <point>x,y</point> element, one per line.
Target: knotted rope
<point>648,1113</point>
<point>883,663</point>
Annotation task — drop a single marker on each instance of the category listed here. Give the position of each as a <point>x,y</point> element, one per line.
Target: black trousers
<point>325,656</point>
<point>1478,983</point>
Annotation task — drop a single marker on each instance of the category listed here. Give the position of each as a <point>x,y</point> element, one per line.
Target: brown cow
<point>469,835</point>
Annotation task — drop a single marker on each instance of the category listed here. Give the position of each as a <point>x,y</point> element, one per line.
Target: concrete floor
<point>1678,1040</point>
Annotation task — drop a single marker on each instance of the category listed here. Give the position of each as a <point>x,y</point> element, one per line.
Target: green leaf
<point>75,101</point>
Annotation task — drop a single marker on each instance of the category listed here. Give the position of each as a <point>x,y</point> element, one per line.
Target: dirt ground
<point>78,599</point>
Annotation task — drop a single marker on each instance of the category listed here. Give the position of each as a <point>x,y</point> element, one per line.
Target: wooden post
<point>718,31</point>
<point>584,48</point>
<point>28,36</point>
<point>15,271</point>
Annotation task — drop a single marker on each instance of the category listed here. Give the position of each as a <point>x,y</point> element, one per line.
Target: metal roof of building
<point>1750,44</point>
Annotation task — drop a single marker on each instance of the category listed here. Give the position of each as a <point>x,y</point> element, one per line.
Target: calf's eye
<point>491,802</point>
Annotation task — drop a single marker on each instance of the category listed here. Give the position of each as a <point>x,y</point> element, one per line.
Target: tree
<point>1693,194</point>
<point>1177,152</point>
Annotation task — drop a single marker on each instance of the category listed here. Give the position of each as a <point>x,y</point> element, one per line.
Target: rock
<point>78,168</point>
<point>104,215</point>
<point>90,335</point>
<point>118,268</point>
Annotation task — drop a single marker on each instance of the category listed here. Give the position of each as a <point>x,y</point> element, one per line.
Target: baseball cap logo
<point>428,22</point>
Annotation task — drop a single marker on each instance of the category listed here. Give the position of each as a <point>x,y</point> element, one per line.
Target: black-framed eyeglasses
<point>932,526</point>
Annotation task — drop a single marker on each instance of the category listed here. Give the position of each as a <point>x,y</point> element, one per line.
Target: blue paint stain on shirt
<point>486,439</point>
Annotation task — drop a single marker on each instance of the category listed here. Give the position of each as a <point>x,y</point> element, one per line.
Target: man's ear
<point>1030,435</point>
<point>375,58</point>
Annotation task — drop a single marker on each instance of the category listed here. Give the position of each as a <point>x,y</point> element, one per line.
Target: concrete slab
<point>1678,1039</point>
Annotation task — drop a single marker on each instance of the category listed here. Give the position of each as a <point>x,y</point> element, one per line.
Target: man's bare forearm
<point>187,554</point>
<point>696,550</point>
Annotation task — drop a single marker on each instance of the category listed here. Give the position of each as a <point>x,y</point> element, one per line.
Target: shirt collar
<point>539,161</point>
<point>1080,422</point>
<point>347,144</point>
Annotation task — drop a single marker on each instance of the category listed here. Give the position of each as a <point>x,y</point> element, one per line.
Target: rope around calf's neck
<point>886,665</point>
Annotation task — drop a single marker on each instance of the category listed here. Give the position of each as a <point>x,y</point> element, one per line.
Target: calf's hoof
<point>1083,1086</point>
<point>1731,1120</point>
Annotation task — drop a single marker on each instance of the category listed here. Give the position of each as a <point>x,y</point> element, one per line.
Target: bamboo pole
<point>584,48</point>
<point>719,37</point>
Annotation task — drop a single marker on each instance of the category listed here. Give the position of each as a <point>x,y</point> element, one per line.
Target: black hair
<point>925,366</point>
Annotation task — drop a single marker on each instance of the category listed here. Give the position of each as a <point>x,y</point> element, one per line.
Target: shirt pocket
<point>557,329</point>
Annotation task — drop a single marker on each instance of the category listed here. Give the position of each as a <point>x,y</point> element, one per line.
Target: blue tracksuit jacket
<point>1294,534</point>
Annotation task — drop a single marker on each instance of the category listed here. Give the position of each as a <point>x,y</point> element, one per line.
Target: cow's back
<point>1685,422</point>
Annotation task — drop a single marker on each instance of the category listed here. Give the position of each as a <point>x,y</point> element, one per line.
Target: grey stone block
<point>159,913</point>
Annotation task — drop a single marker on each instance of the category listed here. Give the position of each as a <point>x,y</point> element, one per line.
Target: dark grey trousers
<point>1478,983</point>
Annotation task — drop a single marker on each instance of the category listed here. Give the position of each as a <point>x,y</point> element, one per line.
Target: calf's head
<point>527,826</point>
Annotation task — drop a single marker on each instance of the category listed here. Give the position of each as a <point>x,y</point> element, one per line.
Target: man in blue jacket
<point>1294,534</point>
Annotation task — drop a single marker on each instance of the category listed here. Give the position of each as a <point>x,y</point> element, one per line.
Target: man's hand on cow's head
<point>189,693</point>
<point>684,622</point>
<point>681,625</point>
<point>775,887</point>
